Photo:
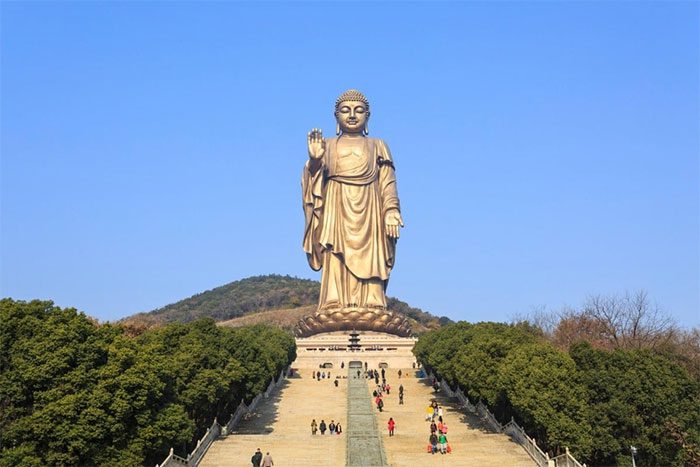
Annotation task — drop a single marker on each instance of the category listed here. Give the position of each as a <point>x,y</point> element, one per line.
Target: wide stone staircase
<point>281,425</point>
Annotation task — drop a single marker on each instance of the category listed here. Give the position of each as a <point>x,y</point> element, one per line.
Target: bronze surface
<point>352,223</point>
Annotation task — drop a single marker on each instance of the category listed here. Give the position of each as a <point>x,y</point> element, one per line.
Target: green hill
<point>258,294</point>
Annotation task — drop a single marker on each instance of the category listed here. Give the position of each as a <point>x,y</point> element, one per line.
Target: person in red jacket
<point>392,424</point>
<point>379,402</point>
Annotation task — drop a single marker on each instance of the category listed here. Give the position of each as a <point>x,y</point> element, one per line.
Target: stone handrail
<point>514,430</point>
<point>254,403</point>
<point>172,459</point>
<point>464,400</point>
<point>483,411</point>
<point>216,430</point>
<point>270,388</point>
<point>444,387</point>
<point>565,460</point>
<point>203,444</point>
<point>511,428</point>
<point>241,410</point>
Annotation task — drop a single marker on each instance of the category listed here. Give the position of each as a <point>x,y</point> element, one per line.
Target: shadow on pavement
<point>261,420</point>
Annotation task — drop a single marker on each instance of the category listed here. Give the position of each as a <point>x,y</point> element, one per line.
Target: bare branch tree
<point>631,321</point>
<point>541,317</point>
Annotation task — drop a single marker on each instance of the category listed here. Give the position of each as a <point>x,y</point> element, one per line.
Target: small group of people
<point>319,375</point>
<point>332,427</point>
<point>433,411</point>
<point>259,461</point>
<point>438,430</point>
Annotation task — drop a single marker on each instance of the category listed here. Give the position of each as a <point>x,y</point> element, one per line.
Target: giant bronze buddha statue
<point>352,223</point>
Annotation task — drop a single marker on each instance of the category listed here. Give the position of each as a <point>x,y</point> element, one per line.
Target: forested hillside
<point>73,392</point>
<point>597,402</point>
<point>259,294</point>
<point>236,299</point>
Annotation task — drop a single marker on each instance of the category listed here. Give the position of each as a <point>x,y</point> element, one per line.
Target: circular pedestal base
<point>359,319</point>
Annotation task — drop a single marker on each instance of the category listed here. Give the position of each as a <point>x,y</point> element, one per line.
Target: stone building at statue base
<point>354,348</point>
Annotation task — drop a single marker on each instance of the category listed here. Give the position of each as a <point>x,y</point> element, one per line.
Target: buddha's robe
<point>344,206</point>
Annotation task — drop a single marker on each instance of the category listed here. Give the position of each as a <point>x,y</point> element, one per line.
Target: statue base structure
<point>354,349</point>
<point>354,318</point>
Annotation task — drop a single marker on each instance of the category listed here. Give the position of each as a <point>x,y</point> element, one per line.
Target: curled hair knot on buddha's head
<point>351,95</point>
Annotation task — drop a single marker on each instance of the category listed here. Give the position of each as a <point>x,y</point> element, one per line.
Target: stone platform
<point>377,349</point>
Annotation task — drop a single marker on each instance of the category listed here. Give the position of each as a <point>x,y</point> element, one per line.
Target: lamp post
<point>633,450</point>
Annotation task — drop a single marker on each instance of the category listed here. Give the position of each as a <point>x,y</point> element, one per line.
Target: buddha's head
<point>352,113</point>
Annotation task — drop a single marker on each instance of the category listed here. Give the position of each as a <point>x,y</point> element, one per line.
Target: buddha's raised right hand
<point>316,143</point>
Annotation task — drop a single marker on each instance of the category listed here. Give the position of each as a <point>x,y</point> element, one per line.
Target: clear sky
<point>544,151</point>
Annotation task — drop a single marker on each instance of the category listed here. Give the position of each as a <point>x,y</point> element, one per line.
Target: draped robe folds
<point>344,206</point>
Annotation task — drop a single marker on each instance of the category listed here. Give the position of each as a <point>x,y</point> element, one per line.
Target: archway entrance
<point>355,364</point>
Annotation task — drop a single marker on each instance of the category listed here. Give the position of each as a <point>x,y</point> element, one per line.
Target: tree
<point>73,392</point>
<point>635,395</point>
<point>547,397</point>
<point>630,321</point>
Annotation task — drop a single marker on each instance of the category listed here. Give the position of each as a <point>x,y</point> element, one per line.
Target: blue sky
<point>545,151</point>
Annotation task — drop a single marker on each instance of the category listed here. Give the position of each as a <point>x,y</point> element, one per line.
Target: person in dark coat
<point>433,442</point>
<point>322,427</point>
<point>257,458</point>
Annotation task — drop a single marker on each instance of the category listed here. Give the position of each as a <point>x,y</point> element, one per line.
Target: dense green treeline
<point>596,402</point>
<point>73,392</point>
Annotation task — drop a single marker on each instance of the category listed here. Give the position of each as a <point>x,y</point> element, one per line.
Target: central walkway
<point>364,444</point>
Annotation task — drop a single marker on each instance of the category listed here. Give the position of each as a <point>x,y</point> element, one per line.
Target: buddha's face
<point>352,116</point>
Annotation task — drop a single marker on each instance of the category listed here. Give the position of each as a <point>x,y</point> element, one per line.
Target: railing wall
<point>565,460</point>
